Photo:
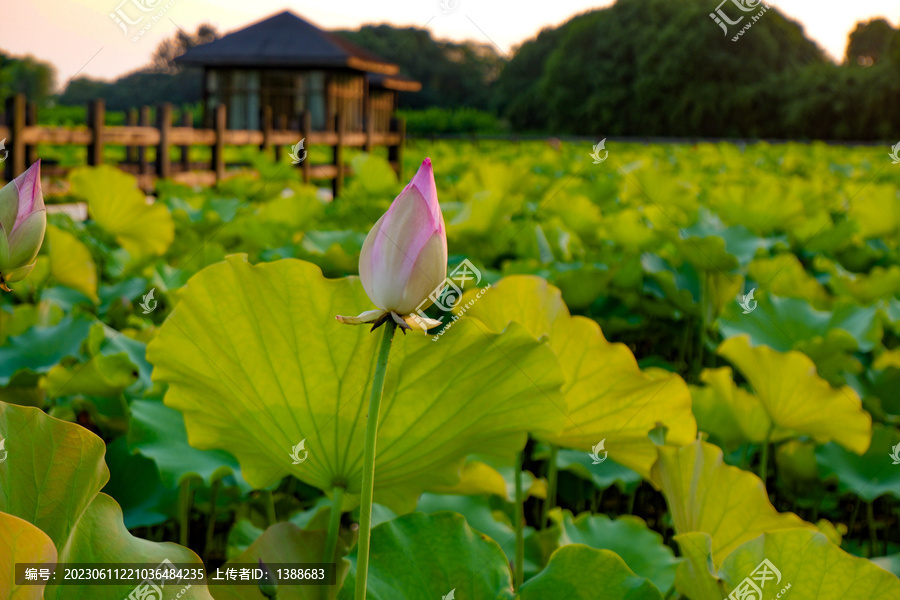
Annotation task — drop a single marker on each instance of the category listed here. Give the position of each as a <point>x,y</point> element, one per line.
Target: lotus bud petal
<point>23,222</point>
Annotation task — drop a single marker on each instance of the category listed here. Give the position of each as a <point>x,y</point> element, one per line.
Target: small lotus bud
<point>23,221</point>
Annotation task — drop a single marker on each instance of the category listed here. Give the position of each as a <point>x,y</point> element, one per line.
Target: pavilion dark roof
<point>285,41</point>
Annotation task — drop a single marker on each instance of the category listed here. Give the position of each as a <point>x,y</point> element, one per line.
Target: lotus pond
<point>670,374</point>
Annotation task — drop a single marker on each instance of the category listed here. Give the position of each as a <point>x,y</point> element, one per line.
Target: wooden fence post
<point>281,126</point>
<point>15,122</point>
<point>131,154</point>
<point>31,155</point>
<point>144,164</point>
<point>164,124</point>
<point>186,121</point>
<point>337,185</point>
<point>218,149</point>
<point>306,129</point>
<point>95,118</point>
<point>266,128</point>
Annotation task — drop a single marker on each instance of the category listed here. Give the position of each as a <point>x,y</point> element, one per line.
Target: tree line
<point>636,68</point>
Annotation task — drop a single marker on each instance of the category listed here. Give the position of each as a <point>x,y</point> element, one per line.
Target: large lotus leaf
<point>22,542</point>
<point>876,211</point>
<point>261,345</point>
<point>797,399</point>
<point>603,475</point>
<point>40,348</point>
<point>641,548</point>
<point>424,557</point>
<point>731,414</point>
<point>814,568</point>
<point>868,476</point>
<point>52,478</point>
<point>782,323</point>
<point>608,396</point>
<point>287,544</point>
<point>868,288</point>
<point>71,263</point>
<point>157,432</point>
<point>117,205</point>
<point>784,275</point>
<point>578,572</point>
<point>696,577</point>
<point>476,478</point>
<point>706,495</point>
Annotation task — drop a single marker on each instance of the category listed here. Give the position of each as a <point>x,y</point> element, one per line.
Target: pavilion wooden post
<point>95,118</point>
<point>164,124</point>
<point>337,185</point>
<point>395,152</point>
<point>305,130</point>
<point>15,146</point>
<point>370,128</point>
<point>266,128</point>
<point>143,162</point>
<point>280,126</point>
<point>31,155</point>
<point>218,150</point>
<point>186,121</point>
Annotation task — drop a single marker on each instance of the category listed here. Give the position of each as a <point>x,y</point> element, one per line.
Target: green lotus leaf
<point>890,563</point>
<point>604,475</point>
<point>135,485</point>
<point>22,542</point>
<point>706,495</point>
<point>784,322</point>
<point>117,205</point>
<point>730,414</point>
<point>870,475</point>
<point>262,344</point>
<point>876,212</point>
<point>52,478</point>
<point>287,544</point>
<point>696,577</point>
<point>157,432</point>
<point>641,548</point>
<point>813,567</point>
<point>578,572</point>
<point>40,348</point>
<point>477,477</point>
<point>71,263</point>
<point>424,557</point>
<point>607,394</point>
<point>797,399</point>
<point>784,275</point>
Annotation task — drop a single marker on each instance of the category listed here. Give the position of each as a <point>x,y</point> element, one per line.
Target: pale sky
<point>80,36</point>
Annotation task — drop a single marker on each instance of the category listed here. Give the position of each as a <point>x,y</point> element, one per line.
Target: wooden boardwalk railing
<point>23,135</point>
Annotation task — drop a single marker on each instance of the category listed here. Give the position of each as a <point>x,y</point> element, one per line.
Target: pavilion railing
<point>172,144</point>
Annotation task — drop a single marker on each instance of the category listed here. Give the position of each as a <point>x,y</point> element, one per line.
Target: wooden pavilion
<point>291,65</point>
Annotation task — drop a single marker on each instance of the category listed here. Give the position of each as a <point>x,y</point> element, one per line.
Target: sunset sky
<point>80,37</point>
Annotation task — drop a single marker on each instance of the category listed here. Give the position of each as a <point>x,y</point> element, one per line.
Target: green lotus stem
<point>269,499</point>
<point>368,483</point>
<point>873,537</point>
<point>184,510</point>
<point>764,458</point>
<point>211,523</point>
<point>520,517</point>
<point>334,523</point>
<point>552,474</point>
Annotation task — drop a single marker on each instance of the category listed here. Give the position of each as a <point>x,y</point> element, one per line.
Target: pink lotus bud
<point>404,257</point>
<point>23,221</point>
